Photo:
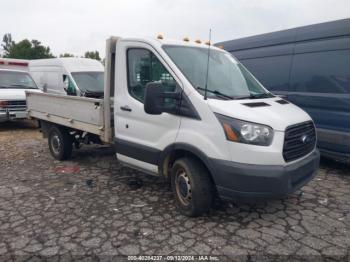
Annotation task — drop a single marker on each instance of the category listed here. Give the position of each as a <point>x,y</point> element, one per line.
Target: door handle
<point>125,108</point>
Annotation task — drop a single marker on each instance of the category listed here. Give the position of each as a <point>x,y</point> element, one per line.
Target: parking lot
<point>92,205</point>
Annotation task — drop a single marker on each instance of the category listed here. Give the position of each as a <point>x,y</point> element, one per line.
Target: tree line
<point>26,49</point>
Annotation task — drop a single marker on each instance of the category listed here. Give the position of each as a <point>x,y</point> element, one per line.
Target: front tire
<point>192,187</point>
<point>60,143</point>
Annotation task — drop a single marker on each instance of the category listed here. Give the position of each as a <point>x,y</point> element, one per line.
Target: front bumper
<point>236,181</point>
<point>12,115</point>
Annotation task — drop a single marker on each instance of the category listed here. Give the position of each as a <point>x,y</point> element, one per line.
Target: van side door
<point>140,137</point>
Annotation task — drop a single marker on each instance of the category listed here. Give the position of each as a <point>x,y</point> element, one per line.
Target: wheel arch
<point>178,150</point>
<point>46,126</point>
<point>65,142</point>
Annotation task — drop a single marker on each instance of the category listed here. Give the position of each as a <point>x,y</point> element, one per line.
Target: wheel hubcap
<point>56,144</point>
<point>183,187</point>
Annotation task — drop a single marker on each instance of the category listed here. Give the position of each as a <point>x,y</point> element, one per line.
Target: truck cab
<point>13,84</point>
<point>192,114</point>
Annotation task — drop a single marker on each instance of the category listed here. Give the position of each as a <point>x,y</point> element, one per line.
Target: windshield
<point>227,79</point>
<point>18,80</point>
<point>89,81</point>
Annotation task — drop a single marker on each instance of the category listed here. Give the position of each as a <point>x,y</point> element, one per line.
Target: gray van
<point>310,67</point>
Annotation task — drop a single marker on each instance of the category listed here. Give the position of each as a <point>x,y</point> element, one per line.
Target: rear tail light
<point>18,63</point>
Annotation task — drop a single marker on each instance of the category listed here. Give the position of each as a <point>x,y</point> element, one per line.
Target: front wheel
<point>60,143</point>
<point>192,187</point>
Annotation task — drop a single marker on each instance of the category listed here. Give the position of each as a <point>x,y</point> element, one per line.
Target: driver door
<point>140,137</point>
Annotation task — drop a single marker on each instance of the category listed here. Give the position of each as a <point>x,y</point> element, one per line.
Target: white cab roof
<point>71,64</point>
<point>13,70</point>
<point>159,42</point>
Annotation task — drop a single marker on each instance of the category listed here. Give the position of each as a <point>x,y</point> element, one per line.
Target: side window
<point>272,72</point>
<point>322,72</point>
<point>144,67</point>
<point>69,86</point>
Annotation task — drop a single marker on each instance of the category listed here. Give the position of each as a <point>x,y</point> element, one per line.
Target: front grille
<point>14,106</point>
<point>300,139</point>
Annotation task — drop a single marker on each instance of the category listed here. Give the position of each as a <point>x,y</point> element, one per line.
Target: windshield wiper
<point>93,94</point>
<point>262,95</point>
<point>256,96</point>
<point>216,92</point>
<point>93,91</point>
<point>4,87</point>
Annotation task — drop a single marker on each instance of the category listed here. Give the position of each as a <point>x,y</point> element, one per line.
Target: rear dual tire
<point>192,187</point>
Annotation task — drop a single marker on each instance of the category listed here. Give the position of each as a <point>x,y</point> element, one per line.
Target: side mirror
<point>65,82</point>
<point>157,101</point>
<point>44,88</point>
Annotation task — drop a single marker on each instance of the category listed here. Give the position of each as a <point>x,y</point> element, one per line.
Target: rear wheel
<point>60,143</point>
<point>192,187</point>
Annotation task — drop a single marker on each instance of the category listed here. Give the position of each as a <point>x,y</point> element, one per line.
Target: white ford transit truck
<point>190,113</point>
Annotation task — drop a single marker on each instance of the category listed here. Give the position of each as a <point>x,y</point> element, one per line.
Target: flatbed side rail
<point>81,113</point>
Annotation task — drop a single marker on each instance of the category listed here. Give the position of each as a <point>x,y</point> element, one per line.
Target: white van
<point>13,84</point>
<point>69,76</point>
<point>208,129</point>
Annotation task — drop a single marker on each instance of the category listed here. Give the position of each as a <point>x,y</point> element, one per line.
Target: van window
<point>54,81</point>
<point>144,67</point>
<point>16,80</point>
<point>69,86</point>
<point>322,72</point>
<point>89,81</point>
<point>272,72</point>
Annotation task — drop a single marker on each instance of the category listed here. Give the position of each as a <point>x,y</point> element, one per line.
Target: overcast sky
<point>75,26</point>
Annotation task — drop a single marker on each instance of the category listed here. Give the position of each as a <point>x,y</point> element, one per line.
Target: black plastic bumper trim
<point>249,182</point>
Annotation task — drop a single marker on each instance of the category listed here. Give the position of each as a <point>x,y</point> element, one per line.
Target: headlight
<point>245,132</point>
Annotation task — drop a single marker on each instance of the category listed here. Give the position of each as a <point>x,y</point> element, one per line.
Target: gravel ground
<point>92,206</point>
